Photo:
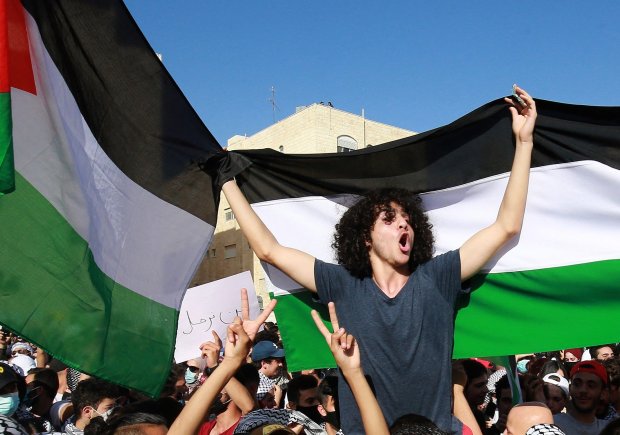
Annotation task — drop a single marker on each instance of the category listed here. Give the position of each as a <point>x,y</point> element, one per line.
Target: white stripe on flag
<point>572,217</point>
<point>138,240</point>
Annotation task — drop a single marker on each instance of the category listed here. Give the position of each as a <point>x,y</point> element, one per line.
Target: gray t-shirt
<point>405,342</point>
<point>570,426</point>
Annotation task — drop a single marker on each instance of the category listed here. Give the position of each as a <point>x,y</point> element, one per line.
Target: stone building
<point>317,128</point>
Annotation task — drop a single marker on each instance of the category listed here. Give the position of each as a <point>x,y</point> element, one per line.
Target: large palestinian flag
<point>111,213</point>
<point>557,286</point>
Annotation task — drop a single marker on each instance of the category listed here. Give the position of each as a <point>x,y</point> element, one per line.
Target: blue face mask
<point>9,403</point>
<point>190,377</point>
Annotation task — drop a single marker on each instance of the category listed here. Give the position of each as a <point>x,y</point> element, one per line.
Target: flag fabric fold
<point>565,265</point>
<point>111,212</point>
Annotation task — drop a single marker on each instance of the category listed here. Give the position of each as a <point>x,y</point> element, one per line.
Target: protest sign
<point>211,307</point>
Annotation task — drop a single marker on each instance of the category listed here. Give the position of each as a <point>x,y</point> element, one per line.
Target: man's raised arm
<point>479,249</point>
<point>296,264</point>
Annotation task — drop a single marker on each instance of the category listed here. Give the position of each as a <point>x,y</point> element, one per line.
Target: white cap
<point>558,381</point>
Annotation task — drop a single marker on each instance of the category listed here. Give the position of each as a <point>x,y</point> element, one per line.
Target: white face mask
<point>106,414</point>
<point>9,403</point>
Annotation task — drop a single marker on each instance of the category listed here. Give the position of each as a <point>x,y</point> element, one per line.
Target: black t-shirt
<point>405,342</point>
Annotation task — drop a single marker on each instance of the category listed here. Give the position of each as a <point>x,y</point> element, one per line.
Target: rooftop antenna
<point>274,106</point>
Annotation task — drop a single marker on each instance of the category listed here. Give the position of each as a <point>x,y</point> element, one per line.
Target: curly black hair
<point>353,230</point>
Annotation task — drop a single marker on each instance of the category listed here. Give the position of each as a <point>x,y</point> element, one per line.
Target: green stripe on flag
<point>514,302</point>
<point>522,304</point>
<point>50,270</point>
<point>7,166</point>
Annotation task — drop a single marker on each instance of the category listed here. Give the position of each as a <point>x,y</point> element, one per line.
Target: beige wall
<point>313,129</point>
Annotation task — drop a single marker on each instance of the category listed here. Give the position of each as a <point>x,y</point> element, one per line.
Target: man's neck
<point>81,422</point>
<point>388,279</point>
<point>581,417</point>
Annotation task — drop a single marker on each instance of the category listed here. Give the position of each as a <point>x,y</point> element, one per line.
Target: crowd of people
<point>242,386</point>
<point>392,305</point>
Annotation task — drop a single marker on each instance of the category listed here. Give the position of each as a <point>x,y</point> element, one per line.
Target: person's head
<point>387,223</point>
<point>588,380</point>
<point>9,394</point>
<point>92,398</point>
<point>175,385</point>
<point>476,388</point>
<point>613,371</point>
<point>602,352</point>
<point>302,396</point>
<point>248,376</point>
<point>413,424</point>
<point>42,385</point>
<point>21,348</point>
<point>135,423</point>
<point>553,366</point>
<point>268,358</point>
<point>327,393</point>
<point>192,372</point>
<point>573,355</point>
<point>503,394</point>
<point>525,415</point>
<point>556,390</point>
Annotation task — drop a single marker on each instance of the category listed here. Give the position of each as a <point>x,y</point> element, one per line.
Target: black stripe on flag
<point>476,146</point>
<point>132,105</point>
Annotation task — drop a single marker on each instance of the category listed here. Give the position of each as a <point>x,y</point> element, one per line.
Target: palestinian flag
<point>556,286</point>
<point>111,213</point>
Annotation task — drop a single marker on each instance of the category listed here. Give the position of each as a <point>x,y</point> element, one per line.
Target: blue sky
<point>412,64</point>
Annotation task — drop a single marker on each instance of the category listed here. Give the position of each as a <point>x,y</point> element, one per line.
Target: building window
<point>260,302</point>
<point>346,144</point>
<point>230,251</point>
<point>213,253</point>
<point>228,214</point>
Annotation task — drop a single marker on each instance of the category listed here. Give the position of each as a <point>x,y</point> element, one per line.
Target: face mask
<point>190,377</point>
<point>311,412</point>
<point>106,414</point>
<point>218,406</point>
<point>332,419</point>
<point>9,403</point>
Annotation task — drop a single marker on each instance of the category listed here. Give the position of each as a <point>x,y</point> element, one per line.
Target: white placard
<point>211,306</point>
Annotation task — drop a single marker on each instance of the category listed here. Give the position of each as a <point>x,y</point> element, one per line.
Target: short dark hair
<point>552,366</point>
<point>594,349</point>
<point>126,424</point>
<point>500,385</point>
<point>353,231</point>
<point>414,424</point>
<point>90,392</point>
<point>613,371</point>
<point>247,375</point>
<point>328,387</point>
<point>296,385</point>
<point>474,369</point>
<point>47,379</point>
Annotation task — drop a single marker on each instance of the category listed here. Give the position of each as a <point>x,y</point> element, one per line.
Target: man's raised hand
<point>238,343</point>
<point>342,344</point>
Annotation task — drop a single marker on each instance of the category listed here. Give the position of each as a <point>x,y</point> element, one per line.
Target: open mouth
<point>403,242</point>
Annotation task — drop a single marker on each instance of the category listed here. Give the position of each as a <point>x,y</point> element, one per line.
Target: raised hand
<point>211,350</point>
<point>342,344</point>
<point>523,117</point>
<point>251,326</point>
<point>238,343</point>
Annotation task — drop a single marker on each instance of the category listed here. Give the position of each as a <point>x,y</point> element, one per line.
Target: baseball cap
<point>558,381</point>
<point>591,366</point>
<point>266,349</point>
<point>7,375</point>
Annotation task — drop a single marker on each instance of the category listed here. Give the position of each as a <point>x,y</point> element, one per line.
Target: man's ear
<point>321,410</point>
<point>88,412</point>
<point>291,405</point>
